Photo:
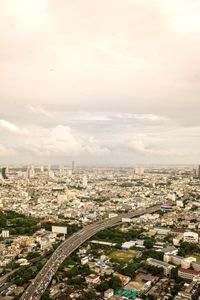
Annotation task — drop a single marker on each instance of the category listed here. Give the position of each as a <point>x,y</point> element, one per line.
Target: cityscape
<point>99,150</point>
<point>70,232</point>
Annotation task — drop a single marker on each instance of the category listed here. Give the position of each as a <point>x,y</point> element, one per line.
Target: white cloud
<point>61,141</point>
<point>145,117</point>
<point>12,128</point>
<point>171,143</point>
<point>93,147</point>
<point>53,141</point>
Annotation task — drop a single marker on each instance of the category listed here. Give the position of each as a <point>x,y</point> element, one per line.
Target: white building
<point>191,237</point>
<point>128,245</point>
<point>84,260</point>
<point>84,181</point>
<point>160,264</point>
<point>108,294</point>
<point>139,171</point>
<point>5,233</point>
<point>92,279</point>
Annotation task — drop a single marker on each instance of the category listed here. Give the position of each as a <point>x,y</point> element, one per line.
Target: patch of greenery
<point>18,224</point>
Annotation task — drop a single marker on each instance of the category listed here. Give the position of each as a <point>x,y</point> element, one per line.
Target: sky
<point>107,82</point>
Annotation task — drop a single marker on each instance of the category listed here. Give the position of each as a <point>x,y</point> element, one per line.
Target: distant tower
<point>84,181</point>
<point>198,172</point>
<point>51,174</point>
<point>73,166</point>
<point>3,173</point>
<point>32,171</point>
<point>41,169</point>
<point>28,173</point>
<point>61,170</point>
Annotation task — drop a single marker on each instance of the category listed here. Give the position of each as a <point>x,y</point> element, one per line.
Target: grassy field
<point>123,256</point>
<point>197,257</point>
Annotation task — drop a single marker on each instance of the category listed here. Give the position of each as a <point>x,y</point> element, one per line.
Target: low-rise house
<point>108,294</point>
<point>92,279</point>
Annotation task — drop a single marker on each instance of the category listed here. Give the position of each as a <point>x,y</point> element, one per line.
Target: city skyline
<point>101,83</point>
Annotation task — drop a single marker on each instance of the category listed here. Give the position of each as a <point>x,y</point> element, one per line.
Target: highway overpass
<point>44,277</point>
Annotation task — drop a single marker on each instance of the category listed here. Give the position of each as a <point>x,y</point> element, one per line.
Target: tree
<point>115,283</point>
<point>154,270</point>
<point>148,243</point>
<point>46,296</point>
<point>188,248</point>
<point>102,287</point>
<point>91,295</point>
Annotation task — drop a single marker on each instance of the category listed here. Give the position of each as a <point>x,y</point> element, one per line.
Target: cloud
<point>141,117</point>
<point>139,145</point>
<point>41,110</point>
<point>59,141</point>
<point>6,151</point>
<point>87,76</point>
<point>167,144</point>
<point>93,147</point>
<point>52,141</point>
<point>12,128</point>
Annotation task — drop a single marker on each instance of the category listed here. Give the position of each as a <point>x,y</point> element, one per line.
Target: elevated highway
<point>44,277</point>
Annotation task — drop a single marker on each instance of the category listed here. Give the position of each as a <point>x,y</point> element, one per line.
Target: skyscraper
<point>198,172</point>
<point>84,181</point>
<point>3,173</point>
<point>73,166</point>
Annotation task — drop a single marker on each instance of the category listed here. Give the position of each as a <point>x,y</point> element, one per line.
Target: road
<point>4,278</point>
<point>44,277</point>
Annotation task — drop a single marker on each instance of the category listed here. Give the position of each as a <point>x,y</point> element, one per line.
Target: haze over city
<point>99,150</point>
<point>99,82</point>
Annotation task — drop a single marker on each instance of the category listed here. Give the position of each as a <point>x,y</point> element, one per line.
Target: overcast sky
<point>99,82</point>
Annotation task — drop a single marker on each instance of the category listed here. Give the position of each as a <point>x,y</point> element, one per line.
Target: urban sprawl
<point>99,233</point>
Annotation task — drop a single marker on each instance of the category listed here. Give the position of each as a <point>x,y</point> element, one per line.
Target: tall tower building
<point>73,166</point>
<point>61,170</point>
<point>3,173</point>
<point>32,171</point>
<point>198,172</point>
<point>84,181</point>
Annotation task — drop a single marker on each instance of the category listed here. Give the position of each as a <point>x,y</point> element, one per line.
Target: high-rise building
<point>61,170</point>
<point>31,172</point>
<point>198,172</point>
<point>69,172</point>
<point>3,173</point>
<point>139,171</point>
<point>84,181</point>
<point>73,166</point>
